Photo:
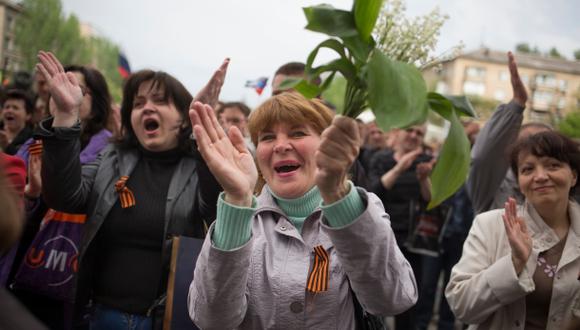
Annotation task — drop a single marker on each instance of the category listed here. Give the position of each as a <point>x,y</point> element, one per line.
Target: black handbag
<point>365,320</point>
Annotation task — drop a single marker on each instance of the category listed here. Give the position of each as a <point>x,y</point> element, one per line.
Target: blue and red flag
<point>258,84</point>
<point>124,68</point>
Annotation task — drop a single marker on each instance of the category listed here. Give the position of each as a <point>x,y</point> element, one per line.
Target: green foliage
<point>524,48</point>
<point>577,54</point>
<point>391,85</point>
<point>554,53</point>
<point>570,125</point>
<point>43,26</point>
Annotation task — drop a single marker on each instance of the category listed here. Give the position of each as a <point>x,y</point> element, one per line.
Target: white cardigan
<point>484,290</point>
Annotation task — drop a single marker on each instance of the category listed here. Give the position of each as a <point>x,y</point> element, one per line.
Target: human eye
<point>266,137</point>
<point>138,102</point>
<point>298,133</point>
<point>526,169</point>
<point>554,164</point>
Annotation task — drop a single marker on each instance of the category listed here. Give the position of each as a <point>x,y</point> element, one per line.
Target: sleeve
<point>97,143</point>
<point>233,226</point>
<point>66,185</point>
<point>377,168</point>
<point>344,211</point>
<point>489,162</point>
<point>480,285</point>
<point>208,188</point>
<point>217,295</point>
<point>378,272</point>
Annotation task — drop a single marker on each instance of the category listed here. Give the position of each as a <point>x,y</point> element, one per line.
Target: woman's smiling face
<point>285,156</point>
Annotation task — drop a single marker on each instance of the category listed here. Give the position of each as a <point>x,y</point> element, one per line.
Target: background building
<point>9,57</point>
<point>553,84</point>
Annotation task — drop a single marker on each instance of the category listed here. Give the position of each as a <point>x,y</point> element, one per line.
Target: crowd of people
<point>309,220</point>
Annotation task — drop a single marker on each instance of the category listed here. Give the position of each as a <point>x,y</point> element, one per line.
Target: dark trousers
<point>433,266</point>
<point>405,320</point>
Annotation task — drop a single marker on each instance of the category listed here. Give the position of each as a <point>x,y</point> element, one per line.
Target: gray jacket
<point>491,181</point>
<point>262,285</point>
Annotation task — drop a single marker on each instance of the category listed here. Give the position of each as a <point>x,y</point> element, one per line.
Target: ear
<point>574,177</point>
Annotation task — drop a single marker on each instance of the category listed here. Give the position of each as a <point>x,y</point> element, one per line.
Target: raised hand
<point>339,147</point>
<point>518,236</point>
<point>34,186</point>
<point>407,159</point>
<point>210,93</point>
<point>227,158</point>
<point>423,170</point>
<point>63,86</point>
<point>519,90</point>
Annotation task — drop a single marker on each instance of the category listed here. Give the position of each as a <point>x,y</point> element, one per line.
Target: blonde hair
<point>290,108</point>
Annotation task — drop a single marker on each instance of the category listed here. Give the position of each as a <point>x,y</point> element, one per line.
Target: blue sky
<point>189,38</point>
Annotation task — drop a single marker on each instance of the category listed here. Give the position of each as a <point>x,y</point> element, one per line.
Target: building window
<point>499,95</point>
<point>441,87</point>
<point>474,88</point>
<point>547,80</point>
<point>475,72</point>
<point>562,85</point>
<point>543,98</point>
<point>503,76</point>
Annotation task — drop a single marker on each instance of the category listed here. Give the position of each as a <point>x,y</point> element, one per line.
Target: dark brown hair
<point>548,144</point>
<point>173,92</point>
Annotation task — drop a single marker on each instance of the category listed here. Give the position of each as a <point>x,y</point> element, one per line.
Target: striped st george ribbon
<point>318,278</point>
<point>35,148</point>
<point>125,194</point>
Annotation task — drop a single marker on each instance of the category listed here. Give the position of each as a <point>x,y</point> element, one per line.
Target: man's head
<point>375,136</point>
<point>410,138</point>
<point>532,128</point>
<point>288,70</point>
<point>234,114</point>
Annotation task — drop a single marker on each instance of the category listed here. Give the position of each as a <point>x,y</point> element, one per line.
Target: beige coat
<point>484,290</point>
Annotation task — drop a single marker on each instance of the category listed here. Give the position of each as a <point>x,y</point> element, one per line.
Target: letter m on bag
<point>56,260</point>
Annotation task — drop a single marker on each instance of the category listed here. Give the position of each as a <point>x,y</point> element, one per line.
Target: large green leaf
<point>307,89</point>
<point>397,93</point>
<point>462,105</point>
<point>453,163</point>
<point>359,49</point>
<point>342,65</point>
<point>289,83</point>
<point>366,13</point>
<point>333,44</point>
<point>333,22</point>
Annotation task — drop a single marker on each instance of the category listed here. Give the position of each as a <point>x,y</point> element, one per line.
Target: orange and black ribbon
<point>125,195</point>
<point>318,278</point>
<point>35,148</point>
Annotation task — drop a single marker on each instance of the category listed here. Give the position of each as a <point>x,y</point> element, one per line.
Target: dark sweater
<point>397,200</point>
<point>128,268</point>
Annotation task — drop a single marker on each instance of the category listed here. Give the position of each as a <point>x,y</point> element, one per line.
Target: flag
<point>258,84</point>
<point>124,69</point>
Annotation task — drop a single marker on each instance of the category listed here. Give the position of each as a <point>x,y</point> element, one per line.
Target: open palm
<point>64,87</point>
<point>518,235</point>
<point>227,157</point>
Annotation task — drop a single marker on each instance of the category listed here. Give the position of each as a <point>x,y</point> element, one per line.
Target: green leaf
<point>366,13</point>
<point>397,93</point>
<point>453,163</point>
<point>333,22</point>
<point>289,83</point>
<point>359,49</point>
<point>341,65</point>
<point>440,104</point>
<point>307,89</point>
<point>462,105</point>
<point>328,43</point>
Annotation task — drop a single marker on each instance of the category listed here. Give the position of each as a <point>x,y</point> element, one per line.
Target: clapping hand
<point>64,89</point>
<point>210,93</point>
<point>227,158</point>
<point>518,235</point>
<point>339,147</point>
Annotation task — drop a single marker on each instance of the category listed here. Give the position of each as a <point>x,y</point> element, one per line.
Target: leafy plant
<point>395,91</point>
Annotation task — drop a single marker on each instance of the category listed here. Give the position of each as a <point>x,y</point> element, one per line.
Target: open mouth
<point>151,125</point>
<point>286,167</point>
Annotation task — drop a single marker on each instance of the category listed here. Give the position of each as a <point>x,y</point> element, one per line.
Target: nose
<point>541,174</point>
<point>282,145</point>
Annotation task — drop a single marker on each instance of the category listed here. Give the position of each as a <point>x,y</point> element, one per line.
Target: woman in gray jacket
<point>293,257</point>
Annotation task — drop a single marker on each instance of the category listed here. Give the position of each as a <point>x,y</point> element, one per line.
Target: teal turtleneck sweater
<point>234,224</point>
